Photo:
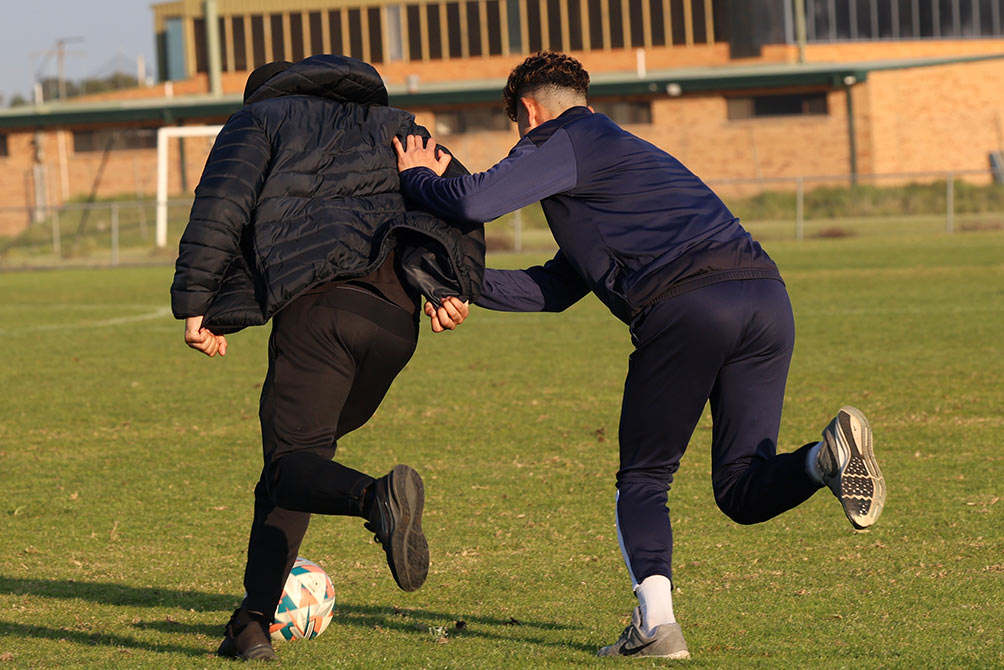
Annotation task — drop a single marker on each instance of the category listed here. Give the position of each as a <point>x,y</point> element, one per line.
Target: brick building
<point>734,89</point>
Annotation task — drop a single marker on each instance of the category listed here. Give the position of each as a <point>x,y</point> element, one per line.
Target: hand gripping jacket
<point>301,188</point>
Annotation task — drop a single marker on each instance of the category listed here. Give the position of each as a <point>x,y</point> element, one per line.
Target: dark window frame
<point>96,140</point>
<point>625,111</point>
<point>778,105</point>
<point>483,118</point>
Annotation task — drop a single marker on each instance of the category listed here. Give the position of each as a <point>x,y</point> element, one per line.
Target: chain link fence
<point>119,232</point>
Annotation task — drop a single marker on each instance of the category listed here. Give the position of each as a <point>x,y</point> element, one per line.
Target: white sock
<point>812,463</point>
<point>655,596</point>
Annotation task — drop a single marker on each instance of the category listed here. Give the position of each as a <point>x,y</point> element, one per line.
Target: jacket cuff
<point>184,305</point>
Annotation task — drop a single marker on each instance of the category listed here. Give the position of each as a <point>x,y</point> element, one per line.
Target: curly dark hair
<point>545,68</point>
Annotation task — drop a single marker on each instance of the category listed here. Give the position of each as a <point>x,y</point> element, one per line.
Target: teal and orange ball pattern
<point>307,604</point>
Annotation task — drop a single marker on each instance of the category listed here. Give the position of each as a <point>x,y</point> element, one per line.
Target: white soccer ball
<point>307,604</point>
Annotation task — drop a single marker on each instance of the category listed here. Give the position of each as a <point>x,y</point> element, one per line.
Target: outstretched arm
<point>528,174</point>
<point>552,287</point>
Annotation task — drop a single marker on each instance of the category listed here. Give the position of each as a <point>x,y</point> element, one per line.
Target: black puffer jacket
<point>301,188</point>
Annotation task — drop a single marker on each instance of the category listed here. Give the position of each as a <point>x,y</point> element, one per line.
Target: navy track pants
<point>730,343</point>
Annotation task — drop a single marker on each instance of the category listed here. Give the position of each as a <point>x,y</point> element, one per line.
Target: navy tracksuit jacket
<point>664,254</point>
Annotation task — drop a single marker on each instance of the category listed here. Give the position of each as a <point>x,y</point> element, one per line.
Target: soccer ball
<point>307,604</point>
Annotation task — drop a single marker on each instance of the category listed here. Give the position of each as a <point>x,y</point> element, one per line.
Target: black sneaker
<point>396,519</point>
<point>246,638</point>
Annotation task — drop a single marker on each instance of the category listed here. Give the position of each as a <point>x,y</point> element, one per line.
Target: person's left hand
<point>203,339</point>
<point>420,154</point>
<point>450,314</point>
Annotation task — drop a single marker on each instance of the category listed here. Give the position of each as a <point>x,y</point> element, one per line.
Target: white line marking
<point>158,313</point>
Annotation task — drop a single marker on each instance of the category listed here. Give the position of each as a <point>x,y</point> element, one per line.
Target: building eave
<point>170,111</point>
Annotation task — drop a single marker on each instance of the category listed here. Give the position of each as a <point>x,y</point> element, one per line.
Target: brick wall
<point>15,183</point>
<point>72,176</point>
<point>939,118</point>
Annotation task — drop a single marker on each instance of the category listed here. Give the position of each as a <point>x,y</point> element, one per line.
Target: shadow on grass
<point>108,593</point>
<point>91,639</point>
<point>422,621</point>
<point>410,621</point>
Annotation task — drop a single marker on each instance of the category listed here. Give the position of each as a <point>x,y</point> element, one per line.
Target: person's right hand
<point>419,154</point>
<point>202,339</point>
<point>451,313</point>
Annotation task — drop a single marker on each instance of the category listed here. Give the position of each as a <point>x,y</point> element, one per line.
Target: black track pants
<point>729,343</point>
<point>331,358</point>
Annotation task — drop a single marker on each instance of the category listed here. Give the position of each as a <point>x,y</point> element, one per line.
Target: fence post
<point>799,208</point>
<point>950,203</point>
<point>57,247</point>
<point>115,233</point>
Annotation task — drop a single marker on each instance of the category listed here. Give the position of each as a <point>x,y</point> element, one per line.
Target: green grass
<point>127,463</point>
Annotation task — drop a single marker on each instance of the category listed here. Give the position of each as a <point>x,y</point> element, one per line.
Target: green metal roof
<point>167,111</point>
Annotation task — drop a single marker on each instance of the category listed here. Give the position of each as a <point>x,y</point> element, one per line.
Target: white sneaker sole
<point>861,484</point>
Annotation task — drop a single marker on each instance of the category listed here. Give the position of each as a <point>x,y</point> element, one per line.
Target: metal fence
<point>111,233</point>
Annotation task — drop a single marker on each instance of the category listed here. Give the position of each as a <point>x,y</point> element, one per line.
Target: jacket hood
<point>338,78</point>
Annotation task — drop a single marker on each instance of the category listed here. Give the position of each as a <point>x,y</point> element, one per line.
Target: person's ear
<point>534,113</point>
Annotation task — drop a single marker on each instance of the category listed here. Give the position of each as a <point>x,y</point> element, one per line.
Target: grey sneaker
<point>665,642</point>
<point>847,463</point>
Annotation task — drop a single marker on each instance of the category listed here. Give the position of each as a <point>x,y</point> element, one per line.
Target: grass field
<point>127,463</point>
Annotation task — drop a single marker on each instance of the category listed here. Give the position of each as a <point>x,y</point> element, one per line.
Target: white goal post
<point>163,135</point>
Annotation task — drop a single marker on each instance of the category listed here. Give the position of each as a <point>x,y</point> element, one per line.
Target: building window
<point>470,120</point>
<point>199,30</point>
<point>625,112</point>
<point>494,27</point>
<point>533,31</point>
<point>902,19</point>
<point>453,32</point>
<point>201,56</point>
<point>515,27</point>
<point>554,28</point>
<point>316,36</point>
<point>575,25</point>
<point>335,28</point>
<point>658,23</point>
<point>376,34</point>
<point>678,22</point>
<point>435,31</point>
<point>636,23</point>
<point>3,146</point>
<point>414,16</point>
<point>114,140</point>
<point>258,39</point>
<point>595,24</point>
<point>616,20</point>
<point>473,28</point>
<point>395,39</point>
<point>356,33</point>
<point>790,104</point>
<point>278,37</point>
<point>699,22</point>
<point>296,36</point>
<point>240,46</point>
